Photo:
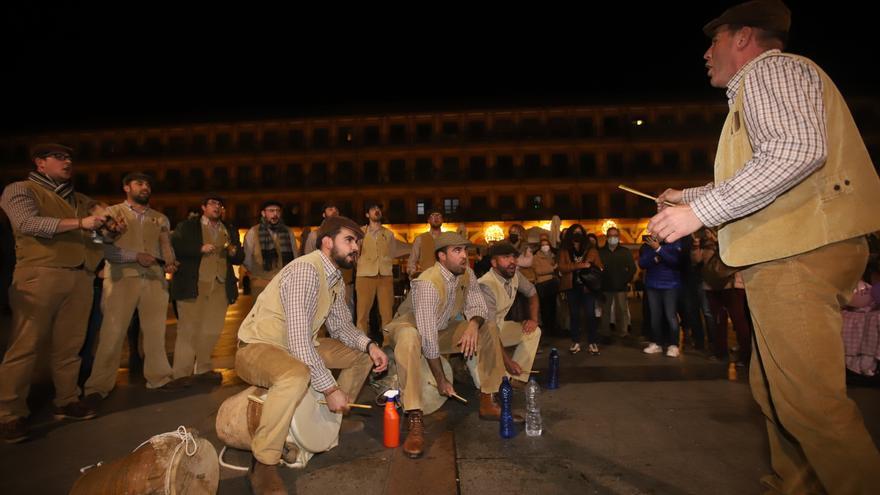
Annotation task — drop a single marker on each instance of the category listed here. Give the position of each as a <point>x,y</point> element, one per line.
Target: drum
<point>169,463</point>
<point>313,428</point>
<point>431,398</point>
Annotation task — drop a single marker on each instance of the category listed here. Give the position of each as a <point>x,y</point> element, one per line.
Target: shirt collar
<point>332,273</point>
<point>734,83</point>
<point>132,208</point>
<point>447,275</point>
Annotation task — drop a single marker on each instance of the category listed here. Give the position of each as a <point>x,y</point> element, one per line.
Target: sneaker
<point>594,349</point>
<point>575,348</point>
<point>13,431</point>
<point>175,385</point>
<point>652,349</point>
<point>672,351</point>
<point>75,410</point>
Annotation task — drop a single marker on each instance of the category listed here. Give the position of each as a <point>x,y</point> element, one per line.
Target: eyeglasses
<point>62,157</point>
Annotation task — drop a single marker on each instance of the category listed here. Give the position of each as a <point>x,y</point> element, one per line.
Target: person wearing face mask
<point>547,284</point>
<point>577,254</point>
<point>620,268</point>
<point>516,235</point>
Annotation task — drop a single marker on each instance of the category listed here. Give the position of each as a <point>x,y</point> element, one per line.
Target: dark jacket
<point>187,242</point>
<point>663,268</point>
<point>619,268</point>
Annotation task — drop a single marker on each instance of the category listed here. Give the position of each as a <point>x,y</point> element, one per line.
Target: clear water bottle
<point>534,424</point>
<point>505,395</point>
<point>553,375</point>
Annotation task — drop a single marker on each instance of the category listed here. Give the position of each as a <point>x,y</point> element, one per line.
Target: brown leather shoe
<point>415,439</point>
<point>14,431</point>
<point>264,479</point>
<point>490,410</point>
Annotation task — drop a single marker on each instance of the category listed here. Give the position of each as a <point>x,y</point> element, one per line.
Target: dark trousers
<point>579,300</point>
<point>547,292</point>
<point>664,320</point>
<point>731,302</point>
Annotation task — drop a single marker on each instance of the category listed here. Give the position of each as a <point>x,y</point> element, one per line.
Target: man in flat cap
<point>794,194</point>
<point>135,279</point>
<point>426,324</point>
<point>51,292</point>
<point>204,286</point>
<point>279,348</point>
<point>268,246</point>
<point>500,285</point>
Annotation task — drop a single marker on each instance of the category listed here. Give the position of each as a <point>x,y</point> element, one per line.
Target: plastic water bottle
<point>553,378</point>
<point>534,424</point>
<point>505,394</point>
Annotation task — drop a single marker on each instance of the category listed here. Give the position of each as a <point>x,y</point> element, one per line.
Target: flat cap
<point>771,15</point>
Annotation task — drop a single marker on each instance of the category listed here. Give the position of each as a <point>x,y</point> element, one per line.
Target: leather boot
<point>490,410</point>
<point>415,438</point>
<point>264,479</point>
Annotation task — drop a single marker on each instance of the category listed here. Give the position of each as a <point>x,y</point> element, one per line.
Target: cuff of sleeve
<point>323,380</point>
<point>691,194</point>
<point>709,210</point>
<point>431,353</point>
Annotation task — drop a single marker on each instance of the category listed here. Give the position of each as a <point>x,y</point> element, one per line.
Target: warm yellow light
<point>609,224</point>
<point>546,225</point>
<point>494,233</point>
<point>640,122</point>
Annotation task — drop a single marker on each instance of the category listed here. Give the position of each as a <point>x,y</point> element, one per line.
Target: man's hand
<point>380,359</point>
<point>145,259</point>
<point>338,402</point>
<point>93,222</point>
<point>208,248</point>
<point>445,388</point>
<point>529,326</point>
<point>468,341</point>
<point>117,225</point>
<point>653,243</point>
<point>671,195</point>
<point>512,367</point>
<point>172,267</point>
<point>672,224</point>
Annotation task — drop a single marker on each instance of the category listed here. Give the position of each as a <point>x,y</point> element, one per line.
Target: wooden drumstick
<point>639,193</point>
<point>359,406</point>
<point>454,396</point>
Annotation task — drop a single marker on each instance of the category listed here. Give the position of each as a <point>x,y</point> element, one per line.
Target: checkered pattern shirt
<point>299,284</point>
<point>21,207</point>
<point>425,303</point>
<point>785,119</point>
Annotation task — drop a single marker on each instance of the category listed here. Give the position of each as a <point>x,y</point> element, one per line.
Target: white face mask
<point>545,248</point>
<point>612,241</point>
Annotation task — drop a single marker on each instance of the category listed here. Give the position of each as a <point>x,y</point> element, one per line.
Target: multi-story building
<point>477,166</point>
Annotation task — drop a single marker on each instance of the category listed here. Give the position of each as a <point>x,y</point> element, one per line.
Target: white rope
<point>186,439</point>
<point>230,466</point>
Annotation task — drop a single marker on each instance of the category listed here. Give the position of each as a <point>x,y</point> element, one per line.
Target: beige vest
<point>503,300</point>
<point>258,271</point>
<point>65,249</point>
<point>265,323</point>
<point>375,258</point>
<point>213,266</point>
<point>426,251</point>
<point>140,237</point>
<point>839,201</point>
<point>406,313</point>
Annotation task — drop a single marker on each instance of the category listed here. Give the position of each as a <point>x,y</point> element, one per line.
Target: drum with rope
<point>313,428</point>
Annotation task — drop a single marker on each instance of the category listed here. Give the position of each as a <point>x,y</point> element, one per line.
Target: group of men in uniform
<point>448,310</point>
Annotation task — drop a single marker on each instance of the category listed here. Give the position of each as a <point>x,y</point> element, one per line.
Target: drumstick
<point>534,371</point>
<point>454,396</point>
<point>639,193</point>
<point>359,406</point>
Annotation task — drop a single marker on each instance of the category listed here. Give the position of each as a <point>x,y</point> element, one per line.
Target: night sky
<point>66,67</point>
